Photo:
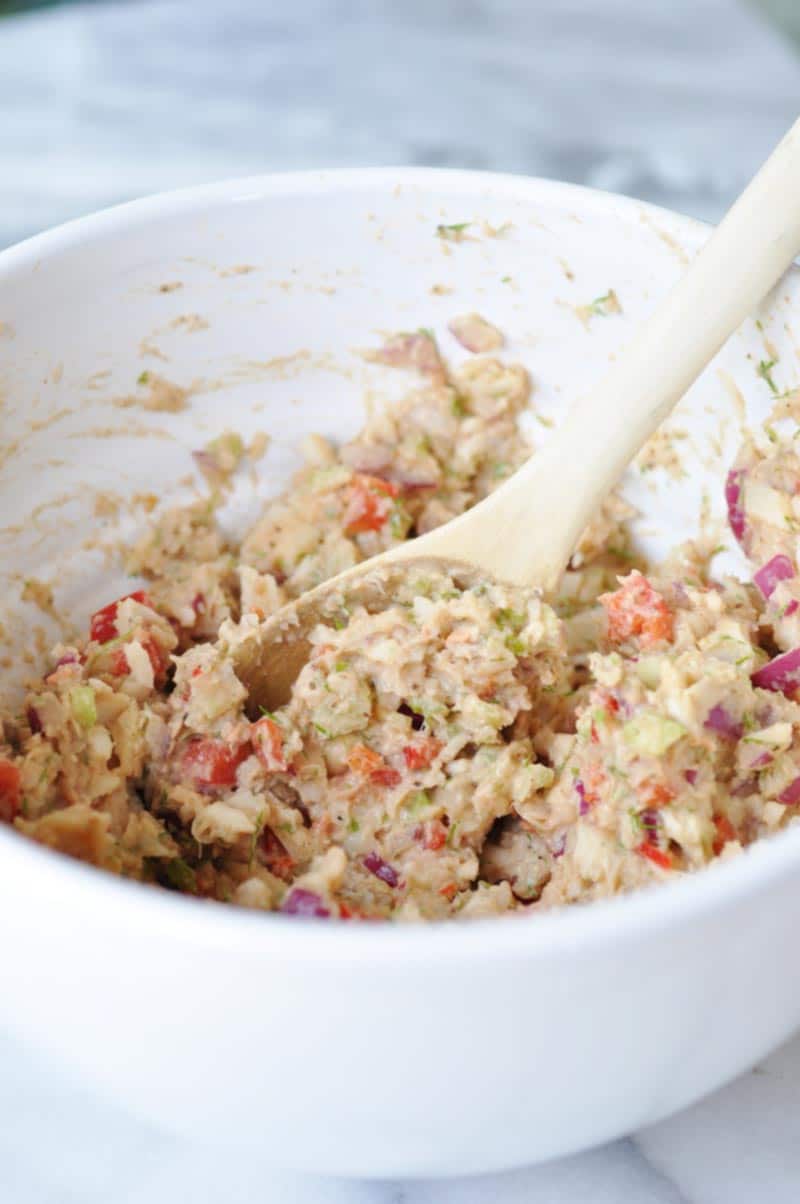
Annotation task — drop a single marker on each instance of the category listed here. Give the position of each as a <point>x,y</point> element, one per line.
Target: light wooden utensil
<point>525,532</point>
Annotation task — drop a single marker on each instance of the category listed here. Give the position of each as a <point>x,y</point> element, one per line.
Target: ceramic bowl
<point>359,1049</point>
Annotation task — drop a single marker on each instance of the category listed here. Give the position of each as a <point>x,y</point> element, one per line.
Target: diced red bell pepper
<point>267,737</point>
<point>434,835</point>
<point>10,791</point>
<point>103,624</point>
<point>725,833</point>
<point>369,504</point>
<point>420,754</point>
<point>159,659</point>
<point>654,854</point>
<point>370,764</point>
<point>274,855</point>
<point>212,762</point>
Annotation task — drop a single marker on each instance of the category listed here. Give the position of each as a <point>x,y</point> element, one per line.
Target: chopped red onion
<point>791,608</point>
<point>733,498</point>
<point>581,792</point>
<point>417,350</point>
<point>781,674</point>
<point>300,902</point>
<point>34,720</point>
<point>720,721</point>
<point>779,568</point>
<point>69,658</point>
<point>381,869</point>
<point>764,758</point>
<point>650,821</point>
<point>691,776</point>
<point>558,844</point>
<point>791,794</point>
<point>208,464</point>
<point>475,334</point>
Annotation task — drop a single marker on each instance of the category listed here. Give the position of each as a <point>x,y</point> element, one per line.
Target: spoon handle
<point>526,531</point>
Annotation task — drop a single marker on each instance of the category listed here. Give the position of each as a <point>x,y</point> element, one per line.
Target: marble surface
<point>676,102</point>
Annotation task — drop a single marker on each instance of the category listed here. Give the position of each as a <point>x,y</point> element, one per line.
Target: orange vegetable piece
<point>654,854</point>
<point>369,504</point>
<point>420,754</point>
<point>637,611</point>
<point>725,833</point>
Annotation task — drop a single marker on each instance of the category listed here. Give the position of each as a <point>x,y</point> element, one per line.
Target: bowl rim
<point>600,926</point>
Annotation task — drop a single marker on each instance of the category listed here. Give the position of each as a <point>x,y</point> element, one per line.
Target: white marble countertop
<point>676,102</point>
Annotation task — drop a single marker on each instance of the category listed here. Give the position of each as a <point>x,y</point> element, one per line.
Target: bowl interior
<point>257,298</point>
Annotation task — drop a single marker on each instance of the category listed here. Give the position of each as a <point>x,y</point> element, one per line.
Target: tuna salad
<point>472,749</point>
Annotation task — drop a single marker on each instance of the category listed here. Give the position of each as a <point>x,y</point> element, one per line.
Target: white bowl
<point>361,1049</point>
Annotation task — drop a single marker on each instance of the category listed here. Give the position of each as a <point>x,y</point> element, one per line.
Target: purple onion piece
<point>781,674</point>
<point>381,869</point>
<point>691,776</point>
<point>763,759</point>
<point>650,821</point>
<point>34,720</point>
<point>558,844</point>
<point>580,790</point>
<point>300,902</point>
<point>733,498</point>
<point>779,568</point>
<point>791,795</point>
<point>720,721</point>
<point>791,608</point>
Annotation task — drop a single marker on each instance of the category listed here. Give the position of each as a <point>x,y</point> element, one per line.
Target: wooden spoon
<point>525,532</point>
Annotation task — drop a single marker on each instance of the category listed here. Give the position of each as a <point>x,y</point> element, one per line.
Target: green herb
<point>426,330</point>
<point>265,713</point>
<point>636,820</point>
<point>323,731</point>
<point>605,305</point>
<point>458,406</point>
<point>510,619</point>
<point>180,876</point>
<point>505,279</point>
<point>764,370</point>
<point>451,836</point>
<point>262,815</point>
<point>452,231</point>
<point>353,825</point>
<point>142,378</point>
<point>341,666</point>
<point>516,645</point>
<point>339,623</point>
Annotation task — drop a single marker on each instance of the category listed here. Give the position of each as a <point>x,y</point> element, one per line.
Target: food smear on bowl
<point>473,749</point>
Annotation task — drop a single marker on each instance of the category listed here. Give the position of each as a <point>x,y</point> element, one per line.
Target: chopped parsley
<point>453,231</point>
<point>764,370</point>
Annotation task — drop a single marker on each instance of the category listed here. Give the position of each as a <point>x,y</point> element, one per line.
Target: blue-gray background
<point>676,101</point>
<point>672,100</point>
